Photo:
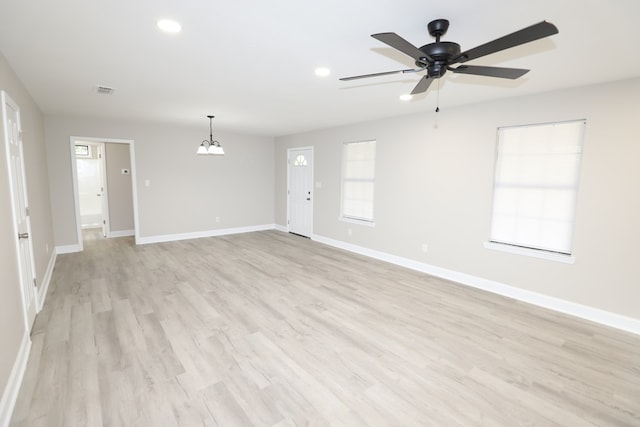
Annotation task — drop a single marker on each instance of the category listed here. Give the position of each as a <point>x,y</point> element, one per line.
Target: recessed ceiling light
<point>322,72</point>
<point>169,26</point>
<point>406,97</point>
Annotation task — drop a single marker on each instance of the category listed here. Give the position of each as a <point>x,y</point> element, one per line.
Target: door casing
<point>72,143</point>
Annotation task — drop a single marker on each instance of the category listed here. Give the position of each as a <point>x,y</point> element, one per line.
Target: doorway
<point>92,192</point>
<point>20,207</point>
<point>300,189</point>
<point>104,184</point>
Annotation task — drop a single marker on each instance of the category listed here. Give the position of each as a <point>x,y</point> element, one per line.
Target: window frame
<point>521,247</point>
<point>352,218</point>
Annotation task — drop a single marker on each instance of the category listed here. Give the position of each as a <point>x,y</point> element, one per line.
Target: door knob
<point>23,235</point>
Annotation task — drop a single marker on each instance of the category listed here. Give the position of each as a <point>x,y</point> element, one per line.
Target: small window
<point>536,185</point>
<point>300,160</point>
<point>83,151</point>
<point>358,173</point>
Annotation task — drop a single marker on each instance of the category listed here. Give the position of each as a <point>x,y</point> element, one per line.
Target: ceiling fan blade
<point>397,42</point>
<point>384,73</point>
<point>502,72</point>
<point>526,35</point>
<point>422,85</point>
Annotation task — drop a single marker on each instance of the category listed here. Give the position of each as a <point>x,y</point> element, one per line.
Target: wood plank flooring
<point>270,329</point>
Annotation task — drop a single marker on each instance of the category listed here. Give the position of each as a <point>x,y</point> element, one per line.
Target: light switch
<point>147,183</point>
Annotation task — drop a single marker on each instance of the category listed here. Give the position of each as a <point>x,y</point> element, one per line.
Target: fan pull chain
<point>438,98</point>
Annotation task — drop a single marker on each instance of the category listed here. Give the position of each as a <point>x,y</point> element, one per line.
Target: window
<point>536,185</point>
<point>358,167</point>
<point>83,151</point>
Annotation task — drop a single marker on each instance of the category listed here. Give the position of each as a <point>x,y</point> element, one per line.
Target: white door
<point>91,186</point>
<point>300,191</point>
<point>103,191</point>
<point>22,226</point>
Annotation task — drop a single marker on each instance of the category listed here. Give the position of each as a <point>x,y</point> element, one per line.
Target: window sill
<point>535,253</point>
<point>357,221</point>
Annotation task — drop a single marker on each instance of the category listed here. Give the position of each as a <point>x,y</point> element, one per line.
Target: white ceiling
<point>251,63</point>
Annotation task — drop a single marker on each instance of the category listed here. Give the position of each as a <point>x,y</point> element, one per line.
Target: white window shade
<point>536,184</point>
<point>358,175</point>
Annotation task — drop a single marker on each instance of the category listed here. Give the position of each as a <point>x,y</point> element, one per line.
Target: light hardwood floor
<point>270,329</point>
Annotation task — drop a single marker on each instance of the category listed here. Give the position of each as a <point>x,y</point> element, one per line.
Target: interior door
<point>300,191</point>
<point>91,187</point>
<point>103,193</point>
<point>22,226</point>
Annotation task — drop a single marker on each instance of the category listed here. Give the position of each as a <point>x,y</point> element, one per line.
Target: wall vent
<point>104,90</point>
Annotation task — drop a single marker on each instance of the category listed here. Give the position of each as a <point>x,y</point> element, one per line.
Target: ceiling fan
<point>437,58</point>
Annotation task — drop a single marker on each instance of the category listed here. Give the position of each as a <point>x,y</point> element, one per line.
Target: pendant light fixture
<point>210,147</point>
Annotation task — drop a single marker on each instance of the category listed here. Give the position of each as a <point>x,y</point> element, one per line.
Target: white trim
<point>68,249</point>
<point>122,233</point>
<point>282,228</point>
<point>102,162</point>
<point>201,234</point>
<point>364,222</point>
<point>10,394</point>
<point>134,188</point>
<point>46,280</point>
<point>603,317</point>
<point>535,253</point>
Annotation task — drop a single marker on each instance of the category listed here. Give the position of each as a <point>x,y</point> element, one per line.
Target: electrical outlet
<point>217,219</point>
<point>349,232</point>
<point>425,247</point>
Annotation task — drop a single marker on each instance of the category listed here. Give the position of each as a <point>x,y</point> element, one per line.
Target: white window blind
<point>358,173</point>
<point>536,185</point>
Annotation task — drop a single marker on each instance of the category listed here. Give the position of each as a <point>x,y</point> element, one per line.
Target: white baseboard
<point>282,228</point>
<point>68,249</point>
<point>121,233</point>
<point>46,280</point>
<point>603,317</point>
<point>200,234</point>
<point>10,394</point>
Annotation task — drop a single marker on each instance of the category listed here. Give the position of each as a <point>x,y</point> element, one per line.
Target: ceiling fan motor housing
<point>437,57</point>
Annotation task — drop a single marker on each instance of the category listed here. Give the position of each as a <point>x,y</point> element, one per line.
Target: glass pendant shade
<point>202,149</point>
<point>215,149</point>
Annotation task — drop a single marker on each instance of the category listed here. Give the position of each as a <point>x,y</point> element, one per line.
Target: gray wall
<point>434,182</point>
<point>120,194</point>
<point>11,319</point>
<point>187,191</point>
